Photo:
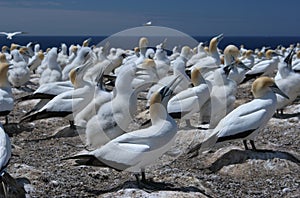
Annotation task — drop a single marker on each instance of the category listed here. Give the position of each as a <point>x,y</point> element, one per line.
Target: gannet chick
<point>6,96</point>
<point>135,150</point>
<point>248,119</point>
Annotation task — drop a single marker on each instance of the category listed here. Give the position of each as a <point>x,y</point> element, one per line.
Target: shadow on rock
<point>240,156</point>
<point>160,186</point>
<point>286,116</point>
<point>15,128</point>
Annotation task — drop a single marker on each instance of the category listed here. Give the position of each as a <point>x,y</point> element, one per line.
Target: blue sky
<point>194,17</point>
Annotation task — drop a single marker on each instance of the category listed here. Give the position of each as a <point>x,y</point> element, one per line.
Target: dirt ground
<point>228,171</point>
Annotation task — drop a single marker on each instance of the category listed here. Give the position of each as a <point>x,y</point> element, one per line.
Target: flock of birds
<point>97,88</point>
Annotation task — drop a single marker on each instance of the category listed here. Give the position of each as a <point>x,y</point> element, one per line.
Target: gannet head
<point>271,53</point>
<point>185,52</point>
<point>143,43</point>
<point>214,43</point>
<point>263,85</point>
<point>248,53</point>
<point>231,50</point>
<point>298,54</point>
<point>13,46</point>
<point>4,48</point>
<point>196,76</point>
<point>86,42</point>
<point>163,95</point>
<point>41,55</point>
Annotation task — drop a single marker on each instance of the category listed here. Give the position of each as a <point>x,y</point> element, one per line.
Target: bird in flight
<point>11,34</point>
<point>149,23</point>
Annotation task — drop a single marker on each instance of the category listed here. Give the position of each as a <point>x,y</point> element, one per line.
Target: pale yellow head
<point>13,46</point>
<point>23,50</point>
<point>143,43</point>
<point>213,44</point>
<point>231,50</point>
<point>298,54</point>
<point>261,85</point>
<point>4,48</point>
<point>196,76</point>
<point>148,63</point>
<point>248,53</point>
<point>72,76</point>
<point>41,55</point>
<point>269,53</point>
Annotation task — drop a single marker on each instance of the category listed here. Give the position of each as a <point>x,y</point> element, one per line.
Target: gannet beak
<point>219,37</point>
<point>227,68</point>
<point>167,90</point>
<point>10,66</point>
<point>124,55</point>
<point>276,89</point>
<point>242,65</point>
<point>288,59</point>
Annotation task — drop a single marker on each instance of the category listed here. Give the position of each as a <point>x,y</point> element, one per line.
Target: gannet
<point>265,67</point>
<point>212,61</point>
<point>36,61</point>
<point>178,69</point>
<point>20,73</point>
<point>66,103</point>
<point>288,82</point>
<point>113,117</point>
<point>162,63</point>
<point>135,150</point>
<point>62,57</point>
<point>201,53</point>
<point>11,34</point>
<point>82,56</point>
<point>248,119</point>
<point>4,50</point>
<point>6,96</point>
<point>53,71</point>
<point>190,101</point>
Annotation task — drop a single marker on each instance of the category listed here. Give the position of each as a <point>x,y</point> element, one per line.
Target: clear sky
<point>194,17</point>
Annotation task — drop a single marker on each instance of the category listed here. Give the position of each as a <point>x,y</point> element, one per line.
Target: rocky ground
<point>228,171</point>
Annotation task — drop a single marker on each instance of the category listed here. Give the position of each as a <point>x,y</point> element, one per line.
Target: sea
<point>249,42</point>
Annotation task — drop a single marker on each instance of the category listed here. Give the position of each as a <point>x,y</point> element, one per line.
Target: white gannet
<point>53,71</point>
<point>67,103</point>
<point>162,63</point>
<point>6,96</point>
<point>288,82</point>
<point>36,61</point>
<point>135,150</point>
<point>5,154</point>
<point>190,101</point>
<point>81,58</point>
<point>19,75</point>
<point>4,50</point>
<point>175,53</point>
<point>212,61</point>
<point>113,117</point>
<point>9,35</point>
<point>245,121</point>
<point>264,68</point>
<point>178,69</point>
<point>73,51</point>
<point>62,57</point>
<point>222,96</point>
<point>201,53</point>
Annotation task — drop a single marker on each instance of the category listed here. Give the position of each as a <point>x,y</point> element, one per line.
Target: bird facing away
<point>245,121</point>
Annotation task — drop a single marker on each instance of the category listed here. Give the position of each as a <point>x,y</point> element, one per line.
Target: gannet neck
<point>3,75</point>
<point>196,77</point>
<point>231,52</point>
<point>3,58</point>
<point>261,87</point>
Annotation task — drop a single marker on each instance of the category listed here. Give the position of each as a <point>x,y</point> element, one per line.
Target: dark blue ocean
<point>248,42</point>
